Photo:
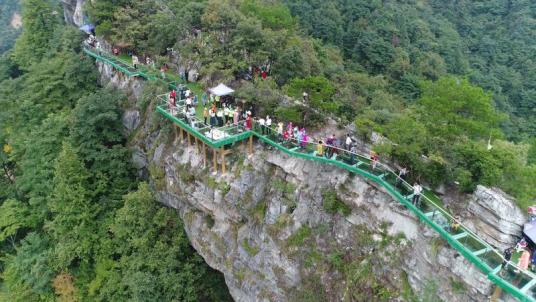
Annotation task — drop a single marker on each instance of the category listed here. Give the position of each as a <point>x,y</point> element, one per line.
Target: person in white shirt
<point>348,142</point>
<point>401,176</point>
<point>188,102</point>
<point>417,190</point>
<point>187,93</point>
<point>225,113</point>
<point>268,124</point>
<point>135,61</point>
<point>213,120</point>
<point>262,122</point>
<point>219,115</point>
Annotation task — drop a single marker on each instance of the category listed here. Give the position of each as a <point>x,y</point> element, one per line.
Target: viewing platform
<point>216,137</point>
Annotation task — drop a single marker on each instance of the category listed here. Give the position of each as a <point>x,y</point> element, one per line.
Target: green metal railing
<point>513,280</point>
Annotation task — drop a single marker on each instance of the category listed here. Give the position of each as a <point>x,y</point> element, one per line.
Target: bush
<point>298,238</point>
<point>289,114</point>
<point>251,250</point>
<point>332,204</point>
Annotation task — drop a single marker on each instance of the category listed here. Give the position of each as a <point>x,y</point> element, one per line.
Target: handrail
<point>491,273</point>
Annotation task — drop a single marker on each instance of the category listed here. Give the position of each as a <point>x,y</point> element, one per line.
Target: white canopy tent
<point>221,90</point>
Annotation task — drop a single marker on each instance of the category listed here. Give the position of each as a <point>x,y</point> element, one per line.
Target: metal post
<point>215,157</point>
<point>204,155</point>
<point>251,145</point>
<point>222,160</point>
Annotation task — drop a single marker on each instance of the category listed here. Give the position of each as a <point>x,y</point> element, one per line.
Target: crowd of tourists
<point>219,112</point>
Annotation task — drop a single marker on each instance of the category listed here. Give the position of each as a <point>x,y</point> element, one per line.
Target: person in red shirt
<point>173,94</point>
<point>264,74</point>
<point>248,122</point>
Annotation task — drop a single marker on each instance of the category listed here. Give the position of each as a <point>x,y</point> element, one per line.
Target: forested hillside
<point>406,70</point>
<point>491,42</point>
<point>10,26</point>
<point>76,224</point>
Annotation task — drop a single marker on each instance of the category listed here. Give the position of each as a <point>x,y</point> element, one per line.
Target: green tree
<point>40,20</point>
<point>154,258</point>
<point>28,275</point>
<point>73,222</point>
<point>452,107</point>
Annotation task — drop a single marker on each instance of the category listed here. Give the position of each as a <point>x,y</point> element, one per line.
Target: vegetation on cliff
<point>76,223</point>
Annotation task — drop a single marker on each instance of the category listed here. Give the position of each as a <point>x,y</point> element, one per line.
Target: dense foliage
<point>75,222</point>
<point>490,41</point>
<point>409,70</point>
<point>9,27</point>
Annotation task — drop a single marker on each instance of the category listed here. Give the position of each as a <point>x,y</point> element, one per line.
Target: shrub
<point>251,250</point>
<point>332,204</point>
<point>298,238</point>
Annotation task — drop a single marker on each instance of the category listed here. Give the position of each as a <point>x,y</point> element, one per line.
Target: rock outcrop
<point>73,12</point>
<point>493,215</point>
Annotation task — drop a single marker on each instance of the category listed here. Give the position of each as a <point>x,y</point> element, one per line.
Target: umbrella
<point>529,230</point>
<point>87,28</point>
<point>221,90</point>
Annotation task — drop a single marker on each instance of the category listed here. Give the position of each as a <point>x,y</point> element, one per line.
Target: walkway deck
<point>519,283</point>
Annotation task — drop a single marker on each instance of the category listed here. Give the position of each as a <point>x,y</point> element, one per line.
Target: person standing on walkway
<point>348,142</point>
<point>330,144</point>
<point>417,190</point>
<point>507,256</point>
<point>320,148</point>
<point>236,116</point>
<point>212,118</point>
<point>248,122</point>
<point>401,176</point>
<point>262,122</point>
<point>305,140</point>
<point>280,131</point>
<point>268,125</point>
<point>289,129</point>
<point>353,152</point>
<point>135,61</point>
<point>299,136</point>
<point>204,99</point>
<point>374,159</point>
<point>205,114</point>
<point>219,115</point>
<point>225,113</point>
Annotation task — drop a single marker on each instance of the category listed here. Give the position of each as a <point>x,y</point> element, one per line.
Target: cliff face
<point>73,12</point>
<point>285,229</point>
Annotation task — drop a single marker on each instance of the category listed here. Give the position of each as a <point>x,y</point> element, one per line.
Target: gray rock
<point>193,75</point>
<point>158,153</point>
<point>139,159</point>
<point>494,216</point>
<point>73,12</point>
<point>131,120</point>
